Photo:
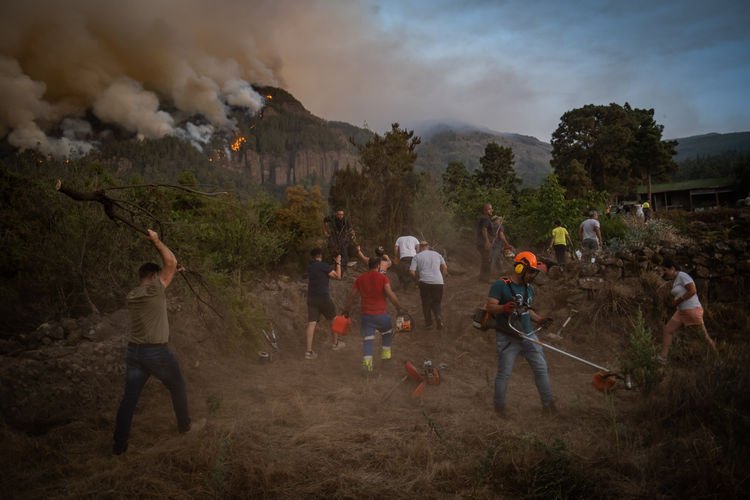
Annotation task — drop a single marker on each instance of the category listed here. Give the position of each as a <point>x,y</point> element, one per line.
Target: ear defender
<point>519,268</point>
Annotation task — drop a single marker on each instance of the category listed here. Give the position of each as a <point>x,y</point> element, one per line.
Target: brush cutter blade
<point>413,372</point>
<point>603,381</point>
<point>419,390</point>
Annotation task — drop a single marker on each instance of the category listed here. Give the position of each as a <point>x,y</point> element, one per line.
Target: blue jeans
<point>508,349</point>
<point>372,323</point>
<point>142,362</point>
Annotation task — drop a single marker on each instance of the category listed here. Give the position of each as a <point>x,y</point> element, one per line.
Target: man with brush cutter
<point>510,301</point>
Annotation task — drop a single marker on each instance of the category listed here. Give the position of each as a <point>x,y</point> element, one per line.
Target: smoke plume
<point>128,63</point>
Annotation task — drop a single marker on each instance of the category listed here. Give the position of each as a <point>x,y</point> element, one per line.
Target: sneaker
<point>338,345</point>
<point>367,365</point>
<point>385,353</point>
<point>311,355</point>
<point>661,360</point>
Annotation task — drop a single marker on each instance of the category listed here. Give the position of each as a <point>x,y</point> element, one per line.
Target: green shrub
<point>640,357</point>
<point>629,232</point>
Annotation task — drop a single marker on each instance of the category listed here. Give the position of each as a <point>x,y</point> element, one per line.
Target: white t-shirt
<point>679,287</point>
<point>589,226</point>
<point>407,246</point>
<point>427,265</point>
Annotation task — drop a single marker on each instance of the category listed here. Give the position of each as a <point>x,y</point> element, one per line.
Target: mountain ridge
<point>285,144</point>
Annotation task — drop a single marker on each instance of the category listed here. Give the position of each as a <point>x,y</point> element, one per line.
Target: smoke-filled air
<point>148,67</point>
<point>159,67</point>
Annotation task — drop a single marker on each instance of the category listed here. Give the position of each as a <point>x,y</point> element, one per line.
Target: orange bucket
<point>340,325</point>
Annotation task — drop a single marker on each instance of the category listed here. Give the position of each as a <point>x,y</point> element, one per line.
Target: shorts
<point>688,317</point>
<point>320,305</point>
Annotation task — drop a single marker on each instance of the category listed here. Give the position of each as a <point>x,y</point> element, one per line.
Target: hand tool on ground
<point>412,372</point>
<point>390,391</point>
<point>422,378</point>
<point>271,338</point>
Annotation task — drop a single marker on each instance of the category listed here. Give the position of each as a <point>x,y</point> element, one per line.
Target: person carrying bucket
<point>319,300</point>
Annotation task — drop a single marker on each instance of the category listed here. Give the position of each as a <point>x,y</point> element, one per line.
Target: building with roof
<point>698,194</point>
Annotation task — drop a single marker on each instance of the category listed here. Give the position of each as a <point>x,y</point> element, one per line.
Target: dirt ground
<point>292,428</point>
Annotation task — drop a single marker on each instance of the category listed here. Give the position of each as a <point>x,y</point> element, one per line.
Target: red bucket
<point>340,325</point>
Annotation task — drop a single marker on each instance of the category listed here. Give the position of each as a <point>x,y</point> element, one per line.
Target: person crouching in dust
<point>147,352</point>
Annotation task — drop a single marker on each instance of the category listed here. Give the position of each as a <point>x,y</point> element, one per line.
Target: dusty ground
<point>293,428</point>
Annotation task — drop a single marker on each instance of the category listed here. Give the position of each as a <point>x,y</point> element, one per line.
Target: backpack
<point>483,320</point>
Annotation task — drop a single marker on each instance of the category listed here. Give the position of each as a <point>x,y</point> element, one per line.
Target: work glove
<point>508,307</point>
<point>544,322</point>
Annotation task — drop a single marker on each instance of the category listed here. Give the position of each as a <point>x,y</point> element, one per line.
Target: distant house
<point>691,195</point>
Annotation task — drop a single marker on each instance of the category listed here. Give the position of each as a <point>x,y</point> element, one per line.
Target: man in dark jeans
<point>147,352</point>
<point>339,234</point>
<point>429,268</point>
<point>484,241</point>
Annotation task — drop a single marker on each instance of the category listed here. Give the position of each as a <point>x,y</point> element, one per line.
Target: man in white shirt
<point>404,251</point>
<point>429,266</point>
<point>590,234</point>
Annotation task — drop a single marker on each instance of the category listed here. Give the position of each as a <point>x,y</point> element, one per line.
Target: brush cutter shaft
<point>525,336</point>
<point>593,365</point>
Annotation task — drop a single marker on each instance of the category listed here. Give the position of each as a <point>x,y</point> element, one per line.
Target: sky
<point>512,66</point>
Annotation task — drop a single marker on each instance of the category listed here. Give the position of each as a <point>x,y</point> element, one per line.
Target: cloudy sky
<point>518,65</point>
<point>511,66</point>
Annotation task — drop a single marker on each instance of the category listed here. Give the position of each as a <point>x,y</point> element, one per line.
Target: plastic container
<point>340,325</point>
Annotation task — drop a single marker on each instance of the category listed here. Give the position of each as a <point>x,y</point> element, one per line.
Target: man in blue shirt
<point>510,300</point>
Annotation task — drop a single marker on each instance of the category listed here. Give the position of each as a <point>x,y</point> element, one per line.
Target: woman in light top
<point>689,310</point>
<point>385,261</point>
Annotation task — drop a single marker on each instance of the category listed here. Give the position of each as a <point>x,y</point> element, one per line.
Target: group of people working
<point>414,262</point>
<point>510,300</point>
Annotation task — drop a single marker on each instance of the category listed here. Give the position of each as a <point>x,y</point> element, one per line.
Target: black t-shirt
<point>317,273</point>
<point>339,228</point>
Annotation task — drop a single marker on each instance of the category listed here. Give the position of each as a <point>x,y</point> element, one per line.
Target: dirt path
<point>292,428</point>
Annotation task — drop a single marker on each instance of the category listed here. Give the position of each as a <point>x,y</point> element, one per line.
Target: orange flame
<point>237,144</point>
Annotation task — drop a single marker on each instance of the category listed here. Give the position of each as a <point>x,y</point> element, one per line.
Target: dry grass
<point>296,429</point>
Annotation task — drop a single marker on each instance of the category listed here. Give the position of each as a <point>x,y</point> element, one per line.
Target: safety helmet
<point>525,260</point>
